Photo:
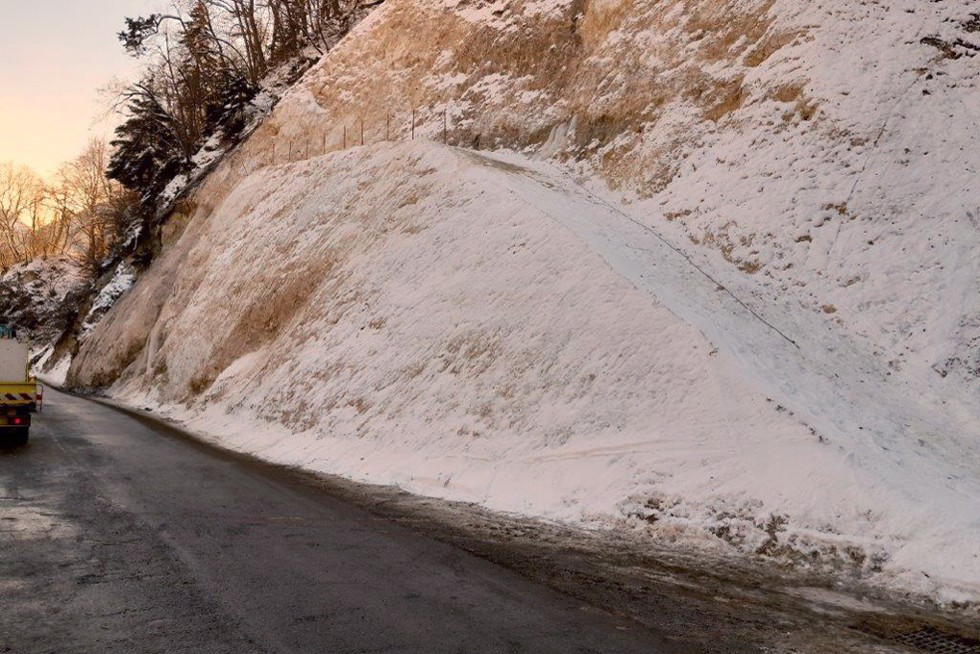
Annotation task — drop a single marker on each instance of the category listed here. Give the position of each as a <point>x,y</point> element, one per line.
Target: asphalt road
<point>119,536</point>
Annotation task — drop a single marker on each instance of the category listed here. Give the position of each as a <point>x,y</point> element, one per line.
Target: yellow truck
<point>20,394</point>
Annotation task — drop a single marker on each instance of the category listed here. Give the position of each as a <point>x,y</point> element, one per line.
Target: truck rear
<point>20,394</point>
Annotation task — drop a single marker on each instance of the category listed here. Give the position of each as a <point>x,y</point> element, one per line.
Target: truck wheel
<point>20,436</point>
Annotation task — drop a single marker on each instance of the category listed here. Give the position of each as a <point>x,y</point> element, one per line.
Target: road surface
<point>119,536</point>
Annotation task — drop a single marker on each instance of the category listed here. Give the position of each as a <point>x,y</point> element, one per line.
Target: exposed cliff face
<point>38,298</point>
<point>630,87</point>
<point>488,329</point>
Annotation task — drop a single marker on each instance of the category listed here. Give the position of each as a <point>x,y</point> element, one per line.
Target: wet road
<point>120,536</point>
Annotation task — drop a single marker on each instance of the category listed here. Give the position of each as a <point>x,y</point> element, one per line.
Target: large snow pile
<point>793,371</point>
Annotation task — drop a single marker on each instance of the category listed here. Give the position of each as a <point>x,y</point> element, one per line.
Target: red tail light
<point>16,421</point>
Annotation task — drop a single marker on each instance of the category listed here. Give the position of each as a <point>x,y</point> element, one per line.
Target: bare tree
<point>61,213</point>
<point>21,212</point>
<point>204,63</point>
<point>91,200</point>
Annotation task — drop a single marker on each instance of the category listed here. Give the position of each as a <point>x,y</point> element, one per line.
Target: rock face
<point>725,288</point>
<point>41,297</point>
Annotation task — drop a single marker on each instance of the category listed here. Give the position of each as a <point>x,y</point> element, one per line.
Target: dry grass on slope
<point>602,81</point>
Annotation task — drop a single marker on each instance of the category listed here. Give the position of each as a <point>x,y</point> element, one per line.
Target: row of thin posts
<point>347,141</point>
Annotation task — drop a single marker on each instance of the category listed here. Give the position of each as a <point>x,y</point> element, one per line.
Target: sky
<point>55,55</point>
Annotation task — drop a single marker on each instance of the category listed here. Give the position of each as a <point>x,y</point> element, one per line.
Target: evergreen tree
<point>229,111</point>
<point>146,152</point>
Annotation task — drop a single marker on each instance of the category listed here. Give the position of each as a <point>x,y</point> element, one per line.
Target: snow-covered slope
<point>722,285</point>
<point>473,328</point>
<point>828,149</point>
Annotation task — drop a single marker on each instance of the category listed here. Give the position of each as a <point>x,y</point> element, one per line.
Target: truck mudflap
<point>14,436</point>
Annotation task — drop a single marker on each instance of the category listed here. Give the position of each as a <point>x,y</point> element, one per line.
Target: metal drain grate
<point>936,642</point>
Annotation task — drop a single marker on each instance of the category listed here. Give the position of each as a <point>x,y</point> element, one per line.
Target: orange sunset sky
<point>55,55</point>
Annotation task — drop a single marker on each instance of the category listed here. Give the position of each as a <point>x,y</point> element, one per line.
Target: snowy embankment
<point>795,372</point>
<point>484,329</point>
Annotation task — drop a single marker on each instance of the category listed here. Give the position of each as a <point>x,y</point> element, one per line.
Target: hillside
<point>717,281</point>
<point>37,297</point>
<point>816,147</point>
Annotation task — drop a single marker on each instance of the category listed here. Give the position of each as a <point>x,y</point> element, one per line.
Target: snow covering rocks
<point>33,295</point>
<point>51,372</point>
<point>123,278</point>
<point>792,370</point>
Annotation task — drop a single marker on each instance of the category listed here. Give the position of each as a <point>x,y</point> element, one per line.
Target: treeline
<point>205,63</point>
<point>80,214</point>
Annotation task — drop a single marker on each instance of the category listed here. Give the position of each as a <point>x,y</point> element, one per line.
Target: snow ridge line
<point>701,270</point>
